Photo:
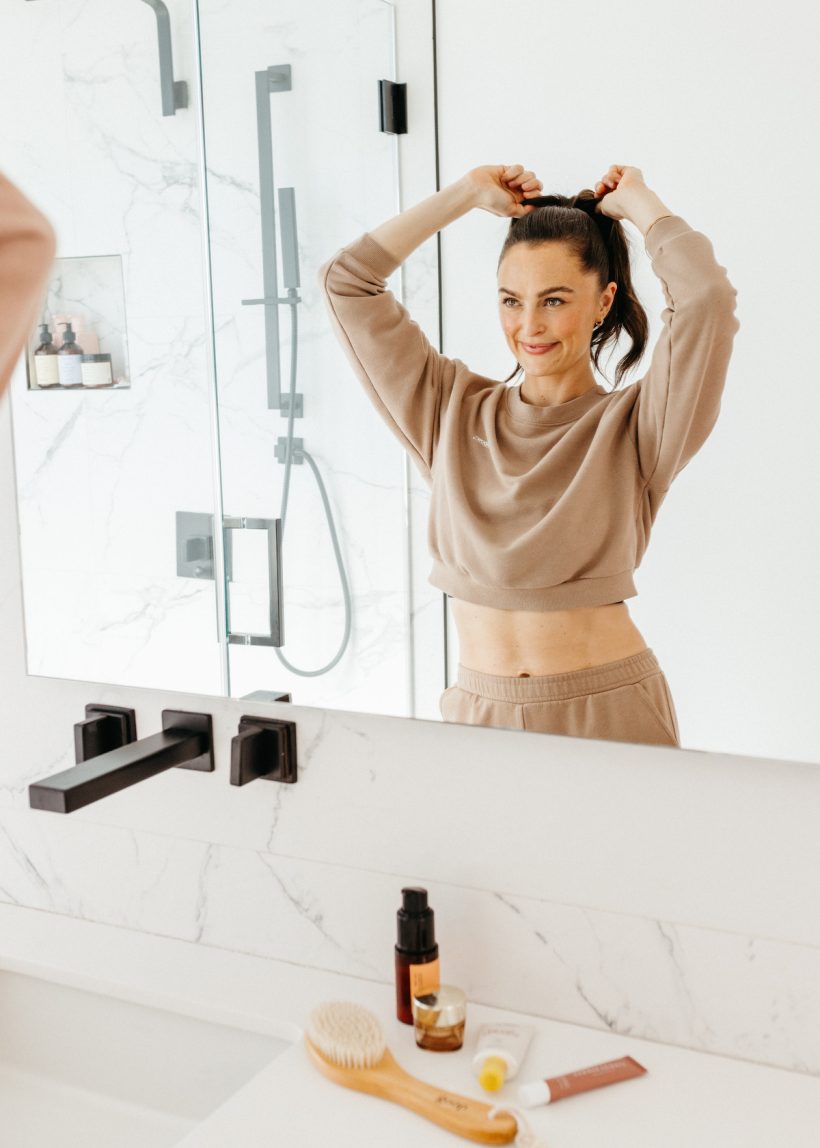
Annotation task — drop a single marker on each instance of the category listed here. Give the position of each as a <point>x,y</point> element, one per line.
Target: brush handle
<point>459,1114</point>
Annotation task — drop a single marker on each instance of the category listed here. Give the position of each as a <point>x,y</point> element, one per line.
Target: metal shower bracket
<point>174,92</point>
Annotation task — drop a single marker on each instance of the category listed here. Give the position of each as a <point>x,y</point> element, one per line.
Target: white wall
<point>719,112</point>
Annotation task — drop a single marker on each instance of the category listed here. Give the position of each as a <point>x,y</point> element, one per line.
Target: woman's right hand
<point>501,189</point>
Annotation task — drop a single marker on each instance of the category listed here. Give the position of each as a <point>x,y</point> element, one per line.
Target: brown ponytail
<point>600,244</point>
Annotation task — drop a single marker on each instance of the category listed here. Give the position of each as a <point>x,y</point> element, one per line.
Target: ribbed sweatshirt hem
<point>569,596</point>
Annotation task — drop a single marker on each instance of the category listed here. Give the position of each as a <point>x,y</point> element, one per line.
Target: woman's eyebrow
<point>547,291</point>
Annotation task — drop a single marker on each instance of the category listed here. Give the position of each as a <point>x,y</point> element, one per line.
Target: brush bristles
<point>346,1034</point>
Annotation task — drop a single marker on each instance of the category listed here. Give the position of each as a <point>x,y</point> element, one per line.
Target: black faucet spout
<point>185,740</point>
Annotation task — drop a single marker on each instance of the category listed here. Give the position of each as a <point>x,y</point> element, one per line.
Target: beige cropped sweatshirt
<point>542,507</point>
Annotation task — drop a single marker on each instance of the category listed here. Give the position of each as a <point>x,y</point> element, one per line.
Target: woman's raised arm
<point>679,397</point>
<point>499,189</point>
<point>408,381</point>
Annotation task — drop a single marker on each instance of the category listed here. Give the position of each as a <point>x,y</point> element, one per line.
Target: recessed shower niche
<point>80,342</point>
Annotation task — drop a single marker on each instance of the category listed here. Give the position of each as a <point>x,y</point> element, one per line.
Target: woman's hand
<point>502,189</point>
<point>623,184</point>
<point>629,198</point>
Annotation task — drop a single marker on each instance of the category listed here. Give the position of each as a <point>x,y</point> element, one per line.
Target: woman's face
<point>548,306</point>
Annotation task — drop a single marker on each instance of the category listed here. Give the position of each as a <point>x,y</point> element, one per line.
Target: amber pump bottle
<point>417,963</point>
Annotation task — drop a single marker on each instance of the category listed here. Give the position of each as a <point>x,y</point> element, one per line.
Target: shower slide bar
<point>276,78</point>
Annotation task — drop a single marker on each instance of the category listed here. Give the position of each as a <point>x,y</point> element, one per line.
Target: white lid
<point>534,1093</point>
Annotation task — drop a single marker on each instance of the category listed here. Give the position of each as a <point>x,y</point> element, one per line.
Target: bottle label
<point>425,978</point>
<point>70,370</point>
<point>96,374</point>
<point>45,370</point>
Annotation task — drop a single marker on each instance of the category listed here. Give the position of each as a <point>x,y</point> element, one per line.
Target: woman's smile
<point>538,348</point>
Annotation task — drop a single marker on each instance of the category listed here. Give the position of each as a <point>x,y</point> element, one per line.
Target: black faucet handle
<point>105,728</point>
<point>264,748</point>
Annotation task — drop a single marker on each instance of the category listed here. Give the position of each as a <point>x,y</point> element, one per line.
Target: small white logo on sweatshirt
<point>483,441</point>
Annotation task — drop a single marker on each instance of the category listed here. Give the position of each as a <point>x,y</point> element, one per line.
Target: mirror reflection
<point>544,495</point>
<point>550,493</point>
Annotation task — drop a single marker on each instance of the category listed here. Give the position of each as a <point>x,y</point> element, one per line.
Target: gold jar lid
<point>442,1009</point>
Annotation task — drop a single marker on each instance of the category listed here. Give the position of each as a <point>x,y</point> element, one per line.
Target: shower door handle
<point>273,529</point>
<point>174,92</point>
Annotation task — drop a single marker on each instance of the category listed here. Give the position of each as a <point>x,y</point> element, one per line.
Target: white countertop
<point>687,1098</point>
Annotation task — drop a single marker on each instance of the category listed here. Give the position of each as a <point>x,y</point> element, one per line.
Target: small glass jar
<point>96,370</point>
<point>439,1019</point>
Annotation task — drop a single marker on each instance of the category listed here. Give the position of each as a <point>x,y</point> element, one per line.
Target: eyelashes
<point>552,299</point>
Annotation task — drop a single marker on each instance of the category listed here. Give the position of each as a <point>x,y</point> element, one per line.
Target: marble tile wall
<point>100,475</point>
<point>703,988</point>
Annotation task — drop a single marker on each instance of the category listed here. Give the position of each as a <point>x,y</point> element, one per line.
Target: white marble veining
<point>700,988</point>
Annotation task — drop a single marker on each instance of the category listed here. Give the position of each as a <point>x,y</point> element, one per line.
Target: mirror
<point>728,615</point>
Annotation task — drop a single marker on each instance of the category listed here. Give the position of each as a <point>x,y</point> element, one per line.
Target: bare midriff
<point>526,643</point>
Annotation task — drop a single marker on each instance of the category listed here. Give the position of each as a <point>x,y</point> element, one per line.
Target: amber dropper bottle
<point>417,963</point>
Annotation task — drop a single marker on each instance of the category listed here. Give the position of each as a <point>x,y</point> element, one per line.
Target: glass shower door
<point>315,488</point>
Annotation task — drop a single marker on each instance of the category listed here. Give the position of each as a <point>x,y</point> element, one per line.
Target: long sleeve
<point>679,398</point>
<point>408,381</point>
<point>27,248</point>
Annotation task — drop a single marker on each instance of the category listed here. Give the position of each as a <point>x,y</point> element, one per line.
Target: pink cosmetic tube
<point>583,1080</point>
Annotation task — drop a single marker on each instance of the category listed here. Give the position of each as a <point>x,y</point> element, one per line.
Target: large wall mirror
<point>192,222</point>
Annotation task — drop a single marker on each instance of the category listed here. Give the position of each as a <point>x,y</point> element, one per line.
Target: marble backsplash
<point>598,883</point>
<point>700,988</point>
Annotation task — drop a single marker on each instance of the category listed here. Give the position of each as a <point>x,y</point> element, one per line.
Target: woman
<point>543,495</point>
<point>27,247</point>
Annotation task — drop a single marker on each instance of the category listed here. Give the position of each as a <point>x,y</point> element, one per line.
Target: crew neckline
<point>566,412</point>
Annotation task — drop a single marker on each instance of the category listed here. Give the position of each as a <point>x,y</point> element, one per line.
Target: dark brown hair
<point>601,246</point>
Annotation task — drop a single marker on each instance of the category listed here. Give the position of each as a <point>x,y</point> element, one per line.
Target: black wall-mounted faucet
<point>186,740</point>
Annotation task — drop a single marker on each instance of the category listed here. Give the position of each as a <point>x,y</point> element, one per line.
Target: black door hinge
<point>392,108</point>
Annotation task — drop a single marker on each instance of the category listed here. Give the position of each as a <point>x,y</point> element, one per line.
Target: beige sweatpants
<point>626,700</point>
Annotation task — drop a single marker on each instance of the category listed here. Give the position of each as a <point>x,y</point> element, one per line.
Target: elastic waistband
<point>553,687</point>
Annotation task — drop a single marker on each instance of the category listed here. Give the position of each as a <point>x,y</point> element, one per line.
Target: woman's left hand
<point>618,187</point>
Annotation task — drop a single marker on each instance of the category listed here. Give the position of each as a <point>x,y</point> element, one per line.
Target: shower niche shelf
<point>88,292</point>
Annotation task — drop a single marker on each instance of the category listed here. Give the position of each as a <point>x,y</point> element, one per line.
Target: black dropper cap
<point>416,923</point>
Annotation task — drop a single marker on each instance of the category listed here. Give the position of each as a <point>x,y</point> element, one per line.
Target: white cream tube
<point>499,1053</point>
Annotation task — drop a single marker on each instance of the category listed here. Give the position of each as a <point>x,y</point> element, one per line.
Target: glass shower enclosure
<point>317,498</point>
<point>232,516</point>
